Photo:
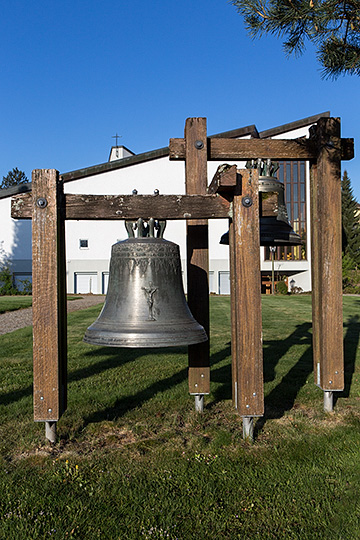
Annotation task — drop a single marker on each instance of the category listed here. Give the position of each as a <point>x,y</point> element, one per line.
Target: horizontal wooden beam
<point>244,149</point>
<point>113,207</point>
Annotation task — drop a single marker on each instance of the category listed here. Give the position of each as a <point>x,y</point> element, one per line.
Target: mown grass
<point>13,303</point>
<point>134,461</point>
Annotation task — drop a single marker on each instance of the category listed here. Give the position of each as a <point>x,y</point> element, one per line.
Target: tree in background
<point>332,26</point>
<point>13,178</point>
<point>350,221</point>
<point>6,275</point>
<point>350,236</point>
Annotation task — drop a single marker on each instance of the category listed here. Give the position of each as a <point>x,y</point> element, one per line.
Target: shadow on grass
<point>221,375</point>
<point>283,396</point>
<point>115,358</point>
<point>128,403</point>
<point>274,350</point>
<point>277,402</point>
<point>16,395</point>
<point>351,343</point>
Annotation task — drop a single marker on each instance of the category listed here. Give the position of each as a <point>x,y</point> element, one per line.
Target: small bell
<point>275,228</point>
<point>145,304</point>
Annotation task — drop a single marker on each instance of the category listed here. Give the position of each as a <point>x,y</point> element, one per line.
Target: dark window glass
<point>293,174</point>
<point>281,172</point>
<point>288,193</point>
<point>302,171</point>
<point>302,212</point>
<point>288,171</point>
<point>288,207</point>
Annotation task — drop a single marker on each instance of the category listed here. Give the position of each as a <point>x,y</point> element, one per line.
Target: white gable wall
<point>15,241</point>
<point>7,230</point>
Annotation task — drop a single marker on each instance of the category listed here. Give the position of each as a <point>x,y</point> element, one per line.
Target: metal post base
<point>199,403</point>
<point>50,431</point>
<point>248,428</point>
<point>328,401</point>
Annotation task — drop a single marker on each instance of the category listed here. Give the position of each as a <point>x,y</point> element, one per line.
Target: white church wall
<point>15,241</point>
<point>162,174</point>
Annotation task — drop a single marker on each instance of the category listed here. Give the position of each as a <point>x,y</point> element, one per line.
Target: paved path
<point>13,320</point>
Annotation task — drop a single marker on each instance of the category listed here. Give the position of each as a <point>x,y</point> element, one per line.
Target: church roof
<point>163,152</point>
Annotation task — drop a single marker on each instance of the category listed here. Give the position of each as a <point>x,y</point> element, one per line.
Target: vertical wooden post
<point>49,297</point>
<point>197,253</point>
<point>246,292</point>
<point>326,257</point>
<point>315,270</point>
<point>234,307</point>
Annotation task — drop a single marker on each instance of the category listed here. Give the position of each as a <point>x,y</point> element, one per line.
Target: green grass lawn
<point>134,461</point>
<point>12,303</point>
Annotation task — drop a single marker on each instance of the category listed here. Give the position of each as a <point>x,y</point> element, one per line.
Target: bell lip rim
<point>121,344</point>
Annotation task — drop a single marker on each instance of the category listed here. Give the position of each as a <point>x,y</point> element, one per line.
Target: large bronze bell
<point>145,304</point>
<point>275,228</point>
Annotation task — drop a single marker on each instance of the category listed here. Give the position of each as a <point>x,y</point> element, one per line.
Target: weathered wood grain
<point>113,207</point>
<point>49,297</point>
<point>244,149</point>
<point>246,288</point>
<point>234,313</point>
<point>197,253</point>
<point>315,271</point>
<point>347,149</point>
<point>224,180</point>
<point>326,252</point>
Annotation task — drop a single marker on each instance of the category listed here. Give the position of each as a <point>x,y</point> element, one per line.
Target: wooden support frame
<point>326,235</point>
<point>49,297</point>
<point>245,149</point>
<point>118,207</point>
<point>247,362</point>
<point>48,208</point>
<point>197,247</point>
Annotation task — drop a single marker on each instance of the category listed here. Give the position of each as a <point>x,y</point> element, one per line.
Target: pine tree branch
<point>332,25</point>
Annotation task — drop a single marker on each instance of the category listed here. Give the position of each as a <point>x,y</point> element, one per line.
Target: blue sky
<point>74,73</point>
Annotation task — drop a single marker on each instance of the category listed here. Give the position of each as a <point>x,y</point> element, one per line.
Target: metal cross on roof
<point>116,137</point>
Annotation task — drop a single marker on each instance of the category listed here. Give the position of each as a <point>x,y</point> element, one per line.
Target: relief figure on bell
<point>149,293</point>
